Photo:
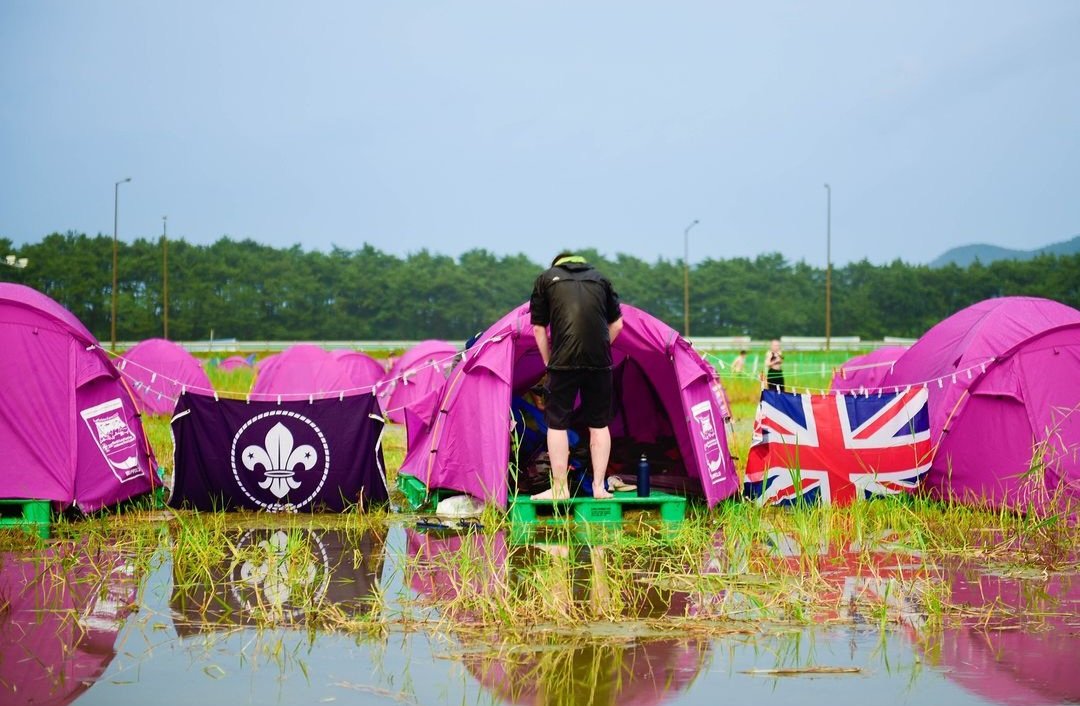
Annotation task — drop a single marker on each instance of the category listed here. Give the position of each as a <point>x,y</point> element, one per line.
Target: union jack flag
<point>838,448</point>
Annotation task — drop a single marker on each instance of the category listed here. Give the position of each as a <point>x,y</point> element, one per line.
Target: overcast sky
<point>532,126</point>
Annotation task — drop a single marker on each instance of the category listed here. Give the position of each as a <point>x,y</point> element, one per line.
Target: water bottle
<point>643,477</point>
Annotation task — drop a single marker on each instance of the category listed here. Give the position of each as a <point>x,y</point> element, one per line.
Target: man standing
<point>582,309</point>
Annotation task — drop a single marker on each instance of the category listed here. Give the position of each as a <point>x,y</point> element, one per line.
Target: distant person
<point>738,366</point>
<point>582,309</point>
<point>774,367</point>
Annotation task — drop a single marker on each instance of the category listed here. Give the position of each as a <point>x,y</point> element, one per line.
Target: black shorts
<point>563,387</point>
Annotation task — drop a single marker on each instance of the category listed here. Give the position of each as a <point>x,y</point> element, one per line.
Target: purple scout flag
<point>320,455</point>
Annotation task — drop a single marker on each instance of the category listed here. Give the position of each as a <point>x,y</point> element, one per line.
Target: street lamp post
<point>686,278</point>
<point>828,267</point>
<point>165,275</point>
<point>116,222</point>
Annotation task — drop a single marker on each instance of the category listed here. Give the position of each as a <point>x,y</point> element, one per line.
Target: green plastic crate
<point>414,491</point>
<point>29,515</point>
<point>418,496</point>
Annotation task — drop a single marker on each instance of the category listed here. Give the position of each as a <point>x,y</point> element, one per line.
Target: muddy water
<point>165,631</point>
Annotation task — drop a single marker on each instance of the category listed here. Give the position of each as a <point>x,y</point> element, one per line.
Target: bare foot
<point>553,493</point>
<point>600,493</point>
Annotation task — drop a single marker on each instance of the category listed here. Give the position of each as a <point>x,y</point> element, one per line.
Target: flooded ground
<point>812,607</point>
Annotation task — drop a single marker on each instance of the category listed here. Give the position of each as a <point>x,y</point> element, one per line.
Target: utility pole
<point>115,223</point>
<point>686,279</point>
<point>165,275</point>
<point>828,267</point>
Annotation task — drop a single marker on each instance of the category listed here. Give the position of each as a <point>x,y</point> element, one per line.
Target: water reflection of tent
<point>278,575</point>
<point>59,621</point>
<point>666,396</point>
<point>868,370</point>
<point>159,370</point>
<point>624,671</point>
<point>415,374</point>
<point>68,427</point>
<point>1006,382</point>
<point>1010,660</point>
<point>627,673</point>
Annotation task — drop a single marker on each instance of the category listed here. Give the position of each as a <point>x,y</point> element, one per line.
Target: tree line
<point>250,291</point>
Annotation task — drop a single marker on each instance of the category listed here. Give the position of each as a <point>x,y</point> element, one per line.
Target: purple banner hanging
<point>294,456</point>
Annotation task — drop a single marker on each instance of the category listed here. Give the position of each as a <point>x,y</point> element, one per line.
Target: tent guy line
<point>867,391</point>
<point>388,383</point>
<point>264,396</point>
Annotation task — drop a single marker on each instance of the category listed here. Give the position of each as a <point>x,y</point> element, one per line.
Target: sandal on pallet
<point>616,484</point>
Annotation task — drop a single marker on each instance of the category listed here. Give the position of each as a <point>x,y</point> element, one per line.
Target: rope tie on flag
<point>247,395</point>
<point>795,371</point>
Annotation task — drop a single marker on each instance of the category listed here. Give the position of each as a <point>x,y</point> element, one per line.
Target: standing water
<point>384,614</point>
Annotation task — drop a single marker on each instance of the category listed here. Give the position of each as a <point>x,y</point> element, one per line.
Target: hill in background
<point>968,254</point>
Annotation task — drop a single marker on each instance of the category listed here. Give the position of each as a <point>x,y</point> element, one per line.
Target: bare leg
<point>559,452</point>
<point>599,451</point>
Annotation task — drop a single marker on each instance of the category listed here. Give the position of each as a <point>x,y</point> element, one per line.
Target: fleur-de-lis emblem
<point>279,460</point>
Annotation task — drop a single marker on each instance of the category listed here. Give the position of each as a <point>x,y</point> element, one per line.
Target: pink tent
<point>233,362</point>
<point>422,369</point>
<point>299,372</point>
<point>265,361</point>
<point>663,390</point>
<point>1005,389</point>
<point>865,372</point>
<point>158,371</point>
<point>361,368</point>
<point>68,425</point>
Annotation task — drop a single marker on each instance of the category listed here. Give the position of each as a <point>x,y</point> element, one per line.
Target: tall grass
<point>737,569</point>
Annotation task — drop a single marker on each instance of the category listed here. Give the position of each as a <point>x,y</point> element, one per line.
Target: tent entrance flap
<point>640,426</point>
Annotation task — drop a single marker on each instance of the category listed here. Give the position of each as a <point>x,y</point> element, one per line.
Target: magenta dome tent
<point>158,371</point>
<point>414,375</point>
<point>1004,384</point>
<point>259,364</point>
<point>665,393</point>
<point>301,371</point>
<point>361,368</point>
<point>866,372</point>
<point>68,425</point>
<point>234,362</point>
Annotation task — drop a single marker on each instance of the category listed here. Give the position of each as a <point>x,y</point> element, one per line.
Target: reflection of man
<point>582,310</point>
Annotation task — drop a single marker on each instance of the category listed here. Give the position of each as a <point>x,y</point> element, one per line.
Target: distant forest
<point>250,291</point>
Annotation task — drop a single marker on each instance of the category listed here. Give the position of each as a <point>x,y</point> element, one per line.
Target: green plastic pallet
<point>417,494</point>
<point>32,516</point>
<point>524,510</point>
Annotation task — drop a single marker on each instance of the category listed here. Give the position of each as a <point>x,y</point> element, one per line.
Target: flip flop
<point>616,485</point>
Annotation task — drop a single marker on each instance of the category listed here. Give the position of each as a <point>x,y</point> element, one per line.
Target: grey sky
<point>528,126</point>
